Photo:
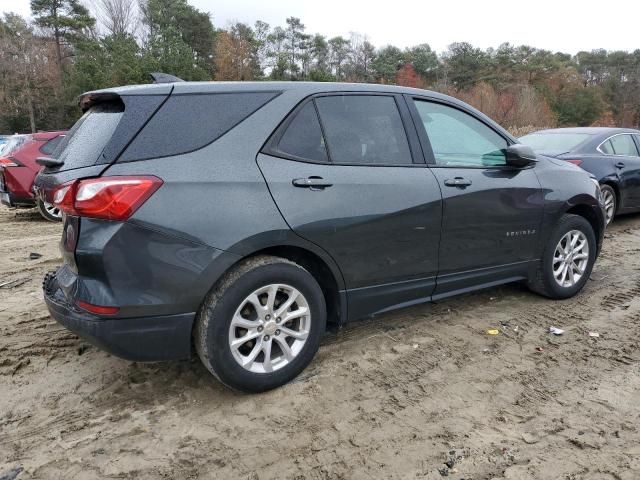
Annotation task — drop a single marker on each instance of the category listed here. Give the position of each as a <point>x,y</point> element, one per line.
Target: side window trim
<point>635,141</point>
<point>417,153</point>
<point>322,129</point>
<point>424,138</point>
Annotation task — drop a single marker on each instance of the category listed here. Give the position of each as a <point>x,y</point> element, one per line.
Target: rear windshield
<point>85,142</point>
<point>13,143</point>
<point>554,141</point>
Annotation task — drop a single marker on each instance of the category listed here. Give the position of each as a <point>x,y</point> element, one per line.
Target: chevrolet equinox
<point>241,218</point>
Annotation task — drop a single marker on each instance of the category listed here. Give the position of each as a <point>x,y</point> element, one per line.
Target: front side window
<point>303,137</point>
<point>620,145</point>
<point>460,140</point>
<point>364,129</point>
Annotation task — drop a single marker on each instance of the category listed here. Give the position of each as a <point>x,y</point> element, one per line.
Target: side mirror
<point>520,156</point>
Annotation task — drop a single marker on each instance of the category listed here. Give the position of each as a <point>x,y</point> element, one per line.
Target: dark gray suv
<point>240,218</point>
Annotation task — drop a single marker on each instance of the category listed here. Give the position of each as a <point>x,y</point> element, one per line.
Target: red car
<point>18,169</point>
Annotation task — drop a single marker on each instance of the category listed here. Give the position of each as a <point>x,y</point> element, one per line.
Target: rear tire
<point>48,211</point>
<point>610,202</point>
<point>551,279</point>
<point>278,306</point>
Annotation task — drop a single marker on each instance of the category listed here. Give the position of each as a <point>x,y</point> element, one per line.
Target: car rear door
<point>491,213</point>
<point>346,176</point>
<point>623,152</point>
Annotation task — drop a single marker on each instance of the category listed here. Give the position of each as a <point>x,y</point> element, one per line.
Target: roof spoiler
<point>91,98</point>
<point>159,77</point>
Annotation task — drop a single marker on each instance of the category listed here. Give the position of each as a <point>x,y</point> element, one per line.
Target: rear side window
<point>607,148</point>
<point>364,129</point>
<point>622,145</point>
<point>303,137</point>
<point>49,147</point>
<point>85,142</point>
<point>188,122</point>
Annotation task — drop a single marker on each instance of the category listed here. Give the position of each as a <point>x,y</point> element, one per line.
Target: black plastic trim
<point>139,339</point>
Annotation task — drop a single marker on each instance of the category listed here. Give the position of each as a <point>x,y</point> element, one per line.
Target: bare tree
<point>118,17</point>
<point>27,69</point>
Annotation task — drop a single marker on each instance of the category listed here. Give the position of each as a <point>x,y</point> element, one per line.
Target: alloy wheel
<point>570,258</point>
<point>269,328</point>
<point>52,210</point>
<point>609,201</point>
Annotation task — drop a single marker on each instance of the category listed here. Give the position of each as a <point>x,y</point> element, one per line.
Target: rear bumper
<point>12,197</point>
<point>141,339</point>
<point>11,200</point>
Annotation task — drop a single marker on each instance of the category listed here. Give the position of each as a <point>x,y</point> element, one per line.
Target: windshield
<point>554,141</point>
<point>12,144</point>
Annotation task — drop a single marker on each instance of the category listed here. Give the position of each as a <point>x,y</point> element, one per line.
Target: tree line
<point>67,48</point>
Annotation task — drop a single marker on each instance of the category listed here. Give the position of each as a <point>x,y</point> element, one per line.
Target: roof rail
<point>159,77</point>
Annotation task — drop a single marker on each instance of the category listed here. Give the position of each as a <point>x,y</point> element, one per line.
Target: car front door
<point>623,152</point>
<point>346,177</point>
<point>491,212</point>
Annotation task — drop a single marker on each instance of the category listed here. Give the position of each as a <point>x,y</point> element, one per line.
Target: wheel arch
<point>588,213</point>
<point>334,294</point>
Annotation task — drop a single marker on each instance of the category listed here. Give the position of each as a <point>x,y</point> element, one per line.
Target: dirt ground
<point>393,397</point>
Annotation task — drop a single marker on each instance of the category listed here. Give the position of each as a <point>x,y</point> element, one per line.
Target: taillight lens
<point>109,198</point>
<point>9,162</point>
<point>575,162</point>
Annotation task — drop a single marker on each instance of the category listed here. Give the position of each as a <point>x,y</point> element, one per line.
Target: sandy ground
<point>394,397</point>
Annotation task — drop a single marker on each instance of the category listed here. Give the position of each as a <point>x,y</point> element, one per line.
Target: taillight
<point>63,197</point>
<point>575,162</point>
<point>9,162</point>
<point>110,198</point>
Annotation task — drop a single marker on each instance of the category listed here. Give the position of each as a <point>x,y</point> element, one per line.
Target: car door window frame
<point>417,156</point>
<point>424,137</point>
<point>633,141</point>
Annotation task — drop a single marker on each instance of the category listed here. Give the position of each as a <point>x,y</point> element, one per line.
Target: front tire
<point>261,325</point>
<point>49,211</point>
<point>567,260</point>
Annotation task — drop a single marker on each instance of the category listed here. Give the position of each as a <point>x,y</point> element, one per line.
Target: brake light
<point>9,162</point>
<point>575,162</point>
<point>109,198</point>
<point>97,309</point>
<point>63,197</point>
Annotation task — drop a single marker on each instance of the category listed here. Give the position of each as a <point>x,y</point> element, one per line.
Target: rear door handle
<point>620,165</point>
<point>314,183</point>
<point>457,182</point>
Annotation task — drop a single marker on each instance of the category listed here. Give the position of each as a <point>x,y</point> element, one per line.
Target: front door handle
<point>314,183</point>
<point>620,165</point>
<point>457,182</point>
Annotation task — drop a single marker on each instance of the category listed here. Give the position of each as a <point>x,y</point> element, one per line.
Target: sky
<point>558,25</point>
